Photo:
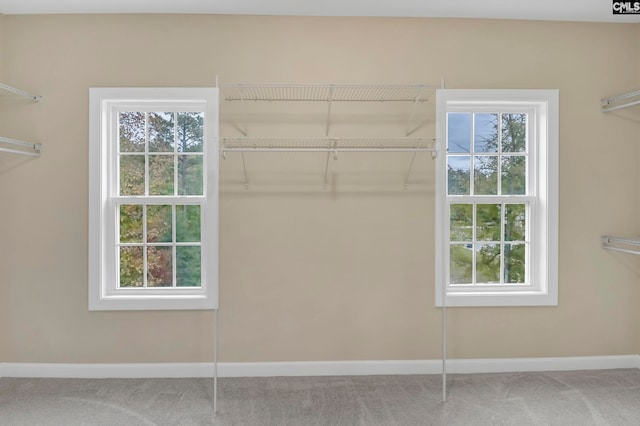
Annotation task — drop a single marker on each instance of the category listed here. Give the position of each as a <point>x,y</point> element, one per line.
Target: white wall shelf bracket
<point>15,146</point>
<point>617,102</point>
<point>624,245</point>
<point>18,92</point>
<point>20,147</point>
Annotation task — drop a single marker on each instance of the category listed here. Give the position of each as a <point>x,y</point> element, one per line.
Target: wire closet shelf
<point>15,146</point>
<point>412,94</point>
<point>327,92</point>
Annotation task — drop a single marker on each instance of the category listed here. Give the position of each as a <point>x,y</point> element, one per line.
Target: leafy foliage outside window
<point>487,156</point>
<point>161,154</point>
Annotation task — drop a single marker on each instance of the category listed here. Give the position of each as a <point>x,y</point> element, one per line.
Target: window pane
<point>159,267</point>
<point>190,131</point>
<point>460,264</point>
<point>458,172</point>
<point>159,224</point>
<point>488,222</point>
<point>130,223</point>
<point>514,263</point>
<point>190,180</point>
<point>131,126</point>
<point>161,174</point>
<point>132,175</point>
<point>514,132</point>
<point>188,267</point>
<point>459,132</point>
<point>514,172</point>
<point>485,178</point>
<point>161,131</point>
<point>515,222</point>
<point>488,263</point>
<point>188,224</point>
<point>485,133</point>
<point>131,266</point>
<point>461,220</point>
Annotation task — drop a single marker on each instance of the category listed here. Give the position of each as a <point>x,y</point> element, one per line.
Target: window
<point>497,199</point>
<point>153,194</point>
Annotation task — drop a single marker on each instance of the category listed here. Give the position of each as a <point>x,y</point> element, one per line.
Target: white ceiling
<point>555,10</point>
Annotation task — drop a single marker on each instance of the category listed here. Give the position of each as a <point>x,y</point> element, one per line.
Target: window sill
<point>149,303</point>
<point>522,298</point>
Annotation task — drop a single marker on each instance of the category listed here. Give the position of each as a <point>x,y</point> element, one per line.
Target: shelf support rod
<point>244,129</point>
<point>406,178</point>
<point>244,168</point>
<point>330,101</point>
<point>326,166</point>
<point>413,112</point>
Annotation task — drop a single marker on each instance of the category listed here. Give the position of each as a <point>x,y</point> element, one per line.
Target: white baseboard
<point>317,368</point>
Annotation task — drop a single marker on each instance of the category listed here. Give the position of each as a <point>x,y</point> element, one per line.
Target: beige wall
<point>308,274</point>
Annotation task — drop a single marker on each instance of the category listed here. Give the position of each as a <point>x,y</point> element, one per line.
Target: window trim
<point>544,258</point>
<point>103,294</point>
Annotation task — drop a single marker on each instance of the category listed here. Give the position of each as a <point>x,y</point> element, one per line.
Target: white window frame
<point>104,294</point>
<point>541,288</point>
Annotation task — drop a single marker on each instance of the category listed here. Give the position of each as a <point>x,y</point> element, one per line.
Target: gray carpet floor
<point>610,397</point>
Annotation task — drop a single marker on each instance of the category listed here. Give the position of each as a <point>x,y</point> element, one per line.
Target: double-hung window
<point>497,180</point>
<point>153,193</point>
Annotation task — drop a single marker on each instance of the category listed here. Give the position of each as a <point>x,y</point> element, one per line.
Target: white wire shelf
<point>326,144</point>
<point>327,92</point>
<point>621,244</point>
<point>624,100</point>
<point>19,147</point>
<point>8,89</point>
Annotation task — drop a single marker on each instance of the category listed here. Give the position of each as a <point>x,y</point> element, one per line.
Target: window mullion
<point>175,154</point>
<point>499,176</point>
<point>144,245</point>
<point>173,245</point>
<point>503,219</point>
<point>472,163</point>
<point>473,243</point>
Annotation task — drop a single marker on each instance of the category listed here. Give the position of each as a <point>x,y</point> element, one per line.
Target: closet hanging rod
<point>34,147</point>
<point>249,144</point>
<point>614,243</point>
<point>248,149</point>
<point>19,92</point>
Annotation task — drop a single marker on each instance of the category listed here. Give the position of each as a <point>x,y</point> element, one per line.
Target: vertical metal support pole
<point>215,364</point>
<point>444,349</point>
<point>444,321</point>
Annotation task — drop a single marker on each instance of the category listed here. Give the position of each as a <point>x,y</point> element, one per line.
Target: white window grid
<point>173,244</point>
<point>146,200</point>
